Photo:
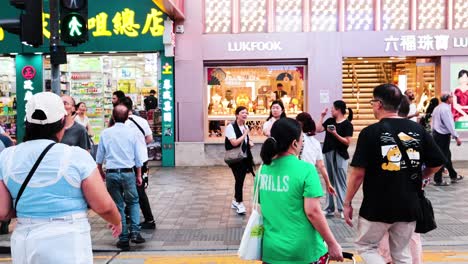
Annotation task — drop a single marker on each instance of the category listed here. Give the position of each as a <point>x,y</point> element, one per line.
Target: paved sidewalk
<point>192,210</point>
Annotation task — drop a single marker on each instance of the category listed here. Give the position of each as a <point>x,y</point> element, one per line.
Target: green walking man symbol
<point>74,27</point>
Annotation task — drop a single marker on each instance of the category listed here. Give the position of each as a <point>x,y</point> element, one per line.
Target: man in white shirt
<point>413,111</point>
<point>145,136</point>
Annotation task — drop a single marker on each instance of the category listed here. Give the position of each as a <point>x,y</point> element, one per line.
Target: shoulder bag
<point>31,172</point>
<point>235,155</point>
<point>426,220</point>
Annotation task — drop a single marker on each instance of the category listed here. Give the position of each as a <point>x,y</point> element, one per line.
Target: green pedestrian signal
<point>74,21</point>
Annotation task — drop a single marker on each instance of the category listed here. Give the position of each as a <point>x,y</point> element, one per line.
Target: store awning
<point>173,8</point>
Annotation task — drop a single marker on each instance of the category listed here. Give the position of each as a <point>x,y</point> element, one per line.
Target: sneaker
<point>240,208</point>
<point>234,204</point>
<point>341,215</point>
<point>148,225</point>
<point>442,183</point>
<point>328,213</point>
<point>137,238</point>
<point>457,179</point>
<point>123,245</point>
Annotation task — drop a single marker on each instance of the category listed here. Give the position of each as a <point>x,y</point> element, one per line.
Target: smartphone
<point>331,127</point>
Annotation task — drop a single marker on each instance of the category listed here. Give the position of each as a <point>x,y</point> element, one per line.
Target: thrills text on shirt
<point>274,183</point>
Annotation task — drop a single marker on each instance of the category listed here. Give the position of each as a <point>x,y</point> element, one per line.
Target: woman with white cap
<point>48,186</point>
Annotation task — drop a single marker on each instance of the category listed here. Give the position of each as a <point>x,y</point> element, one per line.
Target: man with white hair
<point>443,128</point>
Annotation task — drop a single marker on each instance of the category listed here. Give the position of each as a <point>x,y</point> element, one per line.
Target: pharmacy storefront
<point>130,48</point>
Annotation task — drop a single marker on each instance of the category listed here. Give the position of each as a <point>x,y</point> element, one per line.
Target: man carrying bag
<point>391,183</point>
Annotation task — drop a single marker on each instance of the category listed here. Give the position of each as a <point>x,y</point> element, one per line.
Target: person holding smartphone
<point>339,131</point>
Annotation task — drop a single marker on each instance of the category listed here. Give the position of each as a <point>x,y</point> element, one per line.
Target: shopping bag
<point>251,244</point>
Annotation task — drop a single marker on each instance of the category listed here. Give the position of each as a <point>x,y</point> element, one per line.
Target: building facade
<point>236,52</point>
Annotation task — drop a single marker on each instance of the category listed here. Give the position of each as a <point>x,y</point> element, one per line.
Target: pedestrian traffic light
<point>29,25</point>
<point>74,21</point>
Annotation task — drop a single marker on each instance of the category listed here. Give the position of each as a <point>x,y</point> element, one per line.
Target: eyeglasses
<point>374,101</point>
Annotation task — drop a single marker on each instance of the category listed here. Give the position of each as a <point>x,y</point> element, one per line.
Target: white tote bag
<point>251,244</point>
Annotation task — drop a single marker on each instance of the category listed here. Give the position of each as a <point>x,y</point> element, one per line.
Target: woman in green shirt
<point>290,191</point>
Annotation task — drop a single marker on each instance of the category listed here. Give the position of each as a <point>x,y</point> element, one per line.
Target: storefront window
<point>255,88</point>
<point>461,16</point>
<point>431,14</point>
<point>324,15</point>
<point>253,16</point>
<point>359,15</point>
<point>395,14</point>
<point>8,96</point>
<point>92,79</point>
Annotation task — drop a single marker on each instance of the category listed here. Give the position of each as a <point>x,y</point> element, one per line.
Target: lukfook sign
<point>255,46</point>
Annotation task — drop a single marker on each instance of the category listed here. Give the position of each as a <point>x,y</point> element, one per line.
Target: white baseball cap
<point>45,108</point>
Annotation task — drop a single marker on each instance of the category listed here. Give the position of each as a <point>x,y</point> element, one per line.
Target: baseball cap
<point>44,108</point>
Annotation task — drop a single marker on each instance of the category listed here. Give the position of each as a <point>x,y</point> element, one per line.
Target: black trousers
<point>443,141</point>
<point>143,198</point>
<point>239,170</point>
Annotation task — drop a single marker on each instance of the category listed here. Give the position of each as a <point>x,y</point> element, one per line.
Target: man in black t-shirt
<point>151,102</point>
<point>390,186</point>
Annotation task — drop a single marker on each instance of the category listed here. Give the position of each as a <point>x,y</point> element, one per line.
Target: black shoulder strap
<point>139,127</point>
<point>31,172</point>
<point>389,129</point>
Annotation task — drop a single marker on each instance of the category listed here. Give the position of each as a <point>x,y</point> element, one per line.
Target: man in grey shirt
<point>443,128</point>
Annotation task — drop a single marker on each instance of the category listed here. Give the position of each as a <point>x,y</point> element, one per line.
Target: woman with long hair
<point>339,132</point>
<point>311,150</point>
<point>289,197</point>
<point>276,112</point>
<point>237,135</point>
<point>52,222</point>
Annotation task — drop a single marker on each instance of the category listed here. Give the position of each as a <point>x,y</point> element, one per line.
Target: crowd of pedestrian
<point>69,181</point>
<point>289,187</point>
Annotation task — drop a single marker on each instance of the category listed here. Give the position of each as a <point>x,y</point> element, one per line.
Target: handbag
<point>250,247</point>
<point>425,221</point>
<point>92,147</point>
<point>234,155</point>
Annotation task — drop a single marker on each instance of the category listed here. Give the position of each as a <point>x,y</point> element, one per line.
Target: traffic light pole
<point>54,43</point>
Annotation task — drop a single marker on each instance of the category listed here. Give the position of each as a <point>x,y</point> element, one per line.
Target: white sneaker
<point>328,213</point>
<point>234,204</point>
<point>240,208</point>
<point>341,215</point>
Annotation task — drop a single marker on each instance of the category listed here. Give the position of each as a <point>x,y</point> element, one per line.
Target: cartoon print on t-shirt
<point>393,159</point>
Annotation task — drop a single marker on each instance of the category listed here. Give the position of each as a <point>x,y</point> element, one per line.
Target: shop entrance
<point>361,75</point>
<point>92,79</point>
